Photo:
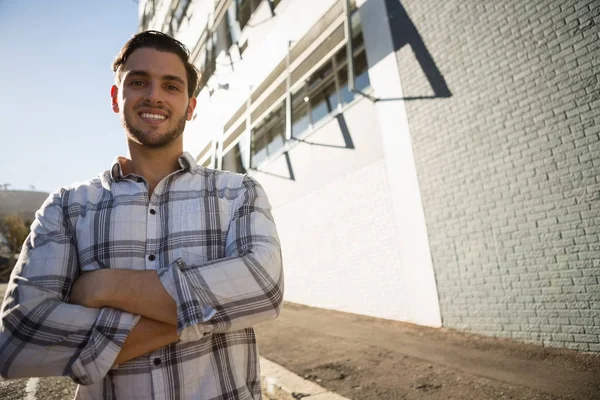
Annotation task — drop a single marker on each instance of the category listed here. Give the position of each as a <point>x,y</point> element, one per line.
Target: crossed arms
<point>55,322</point>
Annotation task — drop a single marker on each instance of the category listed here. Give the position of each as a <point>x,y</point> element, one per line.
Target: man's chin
<point>154,136</point>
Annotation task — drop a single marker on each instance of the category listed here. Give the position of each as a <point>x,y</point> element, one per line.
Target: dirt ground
<point>366,358</point>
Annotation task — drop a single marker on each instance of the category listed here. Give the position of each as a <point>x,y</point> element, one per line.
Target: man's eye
<point>174,88</point>
<point>136,83</point>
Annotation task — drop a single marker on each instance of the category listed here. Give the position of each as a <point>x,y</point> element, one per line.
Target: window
<point>327,88</point>
<point>245,9</point>
<point>320,95</point>
<point>268,136</point>
<point>208,63</point>
<point>300,119</point>
<point>178,14</point>
<point>148,14</point>
<point>232,161</point>
<point>361,76</point>
<point>273,4</point>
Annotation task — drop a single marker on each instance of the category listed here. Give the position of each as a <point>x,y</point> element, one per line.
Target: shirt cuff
<point>177,279</point>
<point>108,336</point>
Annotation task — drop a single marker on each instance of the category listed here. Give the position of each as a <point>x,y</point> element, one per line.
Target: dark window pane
<point>300,119</point>
<point>259,150</point>
<point>321,75</point>
<point>276,144</point>
<point>268,136</point>
<point>244,12</point>
<point>361,71</point>
<point>323,102</point>
<point>340,56</point>
<point>232,161</point>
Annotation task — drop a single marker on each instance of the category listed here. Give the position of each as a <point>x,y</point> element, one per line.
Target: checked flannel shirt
<point>211,238</point>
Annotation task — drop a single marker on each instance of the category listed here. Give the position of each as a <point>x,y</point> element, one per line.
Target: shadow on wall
<point>348,144</point>
<point>405,32</point>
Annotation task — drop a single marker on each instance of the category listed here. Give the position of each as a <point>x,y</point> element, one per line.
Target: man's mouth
<point>153,119</point>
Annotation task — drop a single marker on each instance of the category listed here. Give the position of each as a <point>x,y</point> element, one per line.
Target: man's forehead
<point>154,62</point>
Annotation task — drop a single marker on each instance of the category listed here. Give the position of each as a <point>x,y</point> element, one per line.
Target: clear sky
<point>55,73</point>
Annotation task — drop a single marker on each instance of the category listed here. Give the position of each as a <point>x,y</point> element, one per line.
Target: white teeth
<point>153,116</point>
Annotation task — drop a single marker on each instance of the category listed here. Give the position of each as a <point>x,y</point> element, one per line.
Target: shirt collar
<point>185,160</point>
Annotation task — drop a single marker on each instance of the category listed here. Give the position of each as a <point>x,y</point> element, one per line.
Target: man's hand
<point>88,289</point>
<point>137,292</point>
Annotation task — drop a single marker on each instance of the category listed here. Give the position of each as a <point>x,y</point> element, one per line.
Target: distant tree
<point>15,231</point>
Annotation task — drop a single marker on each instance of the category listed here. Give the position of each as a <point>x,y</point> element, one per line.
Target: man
<point>145,282</point>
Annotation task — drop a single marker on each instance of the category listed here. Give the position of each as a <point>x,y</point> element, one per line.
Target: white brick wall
<point>340,246</point>
<point>335,220</point>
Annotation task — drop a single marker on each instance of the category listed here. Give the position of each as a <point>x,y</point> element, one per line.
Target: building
<point>444,174</point>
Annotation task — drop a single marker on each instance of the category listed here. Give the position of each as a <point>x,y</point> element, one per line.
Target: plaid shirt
<point>211,238</point>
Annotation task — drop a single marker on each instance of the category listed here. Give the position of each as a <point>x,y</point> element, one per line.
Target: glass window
<point>179,13</point>
<point>300,118</point>
<point>323,102</point>
<point>361,72</point>
<point>245,10</point>
<point>232,161</point>
<point>322,75</point>
<point>268,136</point>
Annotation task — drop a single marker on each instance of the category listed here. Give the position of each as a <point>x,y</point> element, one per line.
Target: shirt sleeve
<point>40,333</point>
<point>240,290</point>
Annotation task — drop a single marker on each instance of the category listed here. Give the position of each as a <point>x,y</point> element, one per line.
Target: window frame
<point>337,66</point>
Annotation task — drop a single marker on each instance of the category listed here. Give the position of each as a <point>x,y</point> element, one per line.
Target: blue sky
<point>55,73</point>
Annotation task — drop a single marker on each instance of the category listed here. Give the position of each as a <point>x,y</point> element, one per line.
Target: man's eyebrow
<point>173,78</point>
<point>164,77</point>
<point>137,73</point>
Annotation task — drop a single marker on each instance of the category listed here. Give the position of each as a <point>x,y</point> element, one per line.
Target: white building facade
<point>440,167</point>
<point>337,164</point>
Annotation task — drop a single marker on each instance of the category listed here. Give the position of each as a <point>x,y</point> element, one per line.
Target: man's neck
<point>154,164</point>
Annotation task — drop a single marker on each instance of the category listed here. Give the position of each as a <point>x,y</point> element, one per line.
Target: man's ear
<point>114,94</point>
<point>191,108</point>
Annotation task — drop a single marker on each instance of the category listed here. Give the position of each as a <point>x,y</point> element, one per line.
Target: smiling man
<point>145,282</point>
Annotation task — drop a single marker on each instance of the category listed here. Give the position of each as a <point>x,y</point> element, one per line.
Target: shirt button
<point>151,257</point>
<point>152,211</point>
<point>157,361</point>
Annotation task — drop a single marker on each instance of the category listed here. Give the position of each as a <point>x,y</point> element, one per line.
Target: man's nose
<point>153,93</point>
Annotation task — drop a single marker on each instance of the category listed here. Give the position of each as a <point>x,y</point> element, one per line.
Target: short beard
<point>160,141</point>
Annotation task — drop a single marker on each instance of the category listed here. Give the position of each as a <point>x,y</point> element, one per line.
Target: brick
<point>586,338</point>
<point>577,346</point>
<point>573,329</point>
<point>562,337</point>
<point>582,321</point>
<point>592,330</point>
<point>588,280</point>
<point>594,347</point>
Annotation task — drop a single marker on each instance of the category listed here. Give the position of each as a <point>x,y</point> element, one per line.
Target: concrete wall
<point>502,103</point>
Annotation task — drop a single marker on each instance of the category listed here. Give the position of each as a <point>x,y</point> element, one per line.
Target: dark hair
<point>162,42</point>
